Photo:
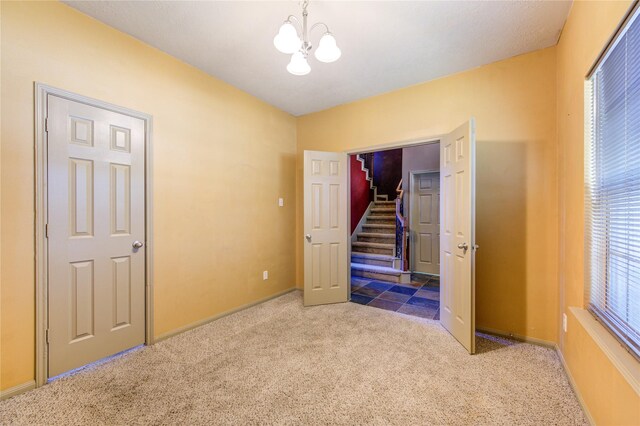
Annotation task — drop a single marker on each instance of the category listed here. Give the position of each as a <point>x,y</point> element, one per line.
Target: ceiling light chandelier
<point>287,41</point>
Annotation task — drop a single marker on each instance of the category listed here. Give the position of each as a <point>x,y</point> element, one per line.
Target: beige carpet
<point>280,363</point>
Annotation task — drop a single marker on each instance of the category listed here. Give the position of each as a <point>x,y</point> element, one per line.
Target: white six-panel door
<point>325,228</point>
<point>96,214</point>
<point>457,230</point>
<point>425,223</point>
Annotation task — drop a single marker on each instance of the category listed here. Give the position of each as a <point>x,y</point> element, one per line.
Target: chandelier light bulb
<point>287,40</point>
<point>298,64</point>
<point>327,50</point>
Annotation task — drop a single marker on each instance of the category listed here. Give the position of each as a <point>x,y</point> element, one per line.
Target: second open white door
<point>326,247</point>
<point>457,230</point>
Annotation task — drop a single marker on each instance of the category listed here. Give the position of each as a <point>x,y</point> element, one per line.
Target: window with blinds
<point>613,186</point>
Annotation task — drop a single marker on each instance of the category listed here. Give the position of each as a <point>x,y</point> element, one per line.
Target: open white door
<point>457,230</point>
<point>325,228</point>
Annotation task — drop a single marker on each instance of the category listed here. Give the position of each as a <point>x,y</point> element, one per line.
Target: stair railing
<point>401,229</point>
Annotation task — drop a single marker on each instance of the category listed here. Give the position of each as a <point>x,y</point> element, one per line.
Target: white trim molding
<point>369,178</point>
<point>207,320</point>
<point>365,170</point>
<point>397,144</point>
<point>626,364</point>
<point>41,93</point>
<point>556,349</point>
<point>17,390</point>
<point>363,220</point>
<point>573,385</point>
<point>550,345</point>
<point>518,337</point>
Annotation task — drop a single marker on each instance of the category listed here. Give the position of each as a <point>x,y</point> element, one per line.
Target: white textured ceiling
<point>385,45</point>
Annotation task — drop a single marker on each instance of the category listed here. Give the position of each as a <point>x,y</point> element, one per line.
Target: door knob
<point>463,246</point>
<point>308,237</point>
<point>137,244</point>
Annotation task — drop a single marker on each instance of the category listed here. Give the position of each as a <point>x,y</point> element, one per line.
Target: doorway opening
<point>395,229</point>
<point>328,228</point>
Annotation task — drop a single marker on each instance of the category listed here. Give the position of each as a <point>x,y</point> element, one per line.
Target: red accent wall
<point>361,194</point>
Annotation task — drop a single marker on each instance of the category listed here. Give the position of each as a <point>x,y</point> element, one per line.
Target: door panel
<point>121,269</point>
<point>95,193</point>
<point>457,251</point>
<point>82,291</point>
<point>424,226</point>
<point>81,197</point>
<point>120,199</point>
<point>325,228</point>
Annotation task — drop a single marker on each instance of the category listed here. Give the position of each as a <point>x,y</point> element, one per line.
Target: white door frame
<point>373,148</point>
<point>412,178</point>
<point>41,93</point>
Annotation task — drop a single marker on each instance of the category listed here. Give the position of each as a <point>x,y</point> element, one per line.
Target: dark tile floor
<point>420,298</point>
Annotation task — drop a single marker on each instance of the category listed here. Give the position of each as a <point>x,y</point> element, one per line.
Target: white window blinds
<point>613,187</point>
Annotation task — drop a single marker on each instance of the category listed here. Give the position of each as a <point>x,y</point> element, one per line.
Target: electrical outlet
<point>281,202</point>
<point>564,322</point>
<point>265,275</point>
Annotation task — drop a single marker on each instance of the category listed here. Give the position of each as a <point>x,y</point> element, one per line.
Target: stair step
<point>386,220</point>
<point>374,268</point>
<point>382,211</point>
<point>378,248</point>
<point>371,256</point>
<point>372,259</point>
<point>382,219</point>
<point>377,237</point>
<point>380,273</point>
<point>378,245</point>
<point>379,228</point>
<point>384,203</point>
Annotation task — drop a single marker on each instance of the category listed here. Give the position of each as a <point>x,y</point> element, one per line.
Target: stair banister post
<point>402,232</point>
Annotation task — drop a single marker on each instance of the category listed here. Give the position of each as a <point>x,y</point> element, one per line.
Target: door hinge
<point>46,335</point>
<point>46,124</point>
<point>46,230</point>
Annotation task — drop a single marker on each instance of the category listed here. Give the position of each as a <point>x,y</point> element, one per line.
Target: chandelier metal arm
<point>292,19</point>
<point>306,46</point>
<point>317,24</point>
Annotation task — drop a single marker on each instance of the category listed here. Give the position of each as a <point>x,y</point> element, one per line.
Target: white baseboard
<point>27,386</point>
<point>527,339</point>
<point>17,390</point>
<point>220,315</point>
<point>572,382</point>
<point>363,220</point>
<point>550,345</point>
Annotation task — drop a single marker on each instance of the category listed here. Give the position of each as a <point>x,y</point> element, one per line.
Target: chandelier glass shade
<point>327,50</point>
<point>298,64</point>
<point>287,40</point>
<point>298,46</point>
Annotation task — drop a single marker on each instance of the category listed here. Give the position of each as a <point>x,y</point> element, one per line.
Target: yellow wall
<point>608,396</point>
<point>209,137</point>
<point>514,104</point>
<point>222,158</point>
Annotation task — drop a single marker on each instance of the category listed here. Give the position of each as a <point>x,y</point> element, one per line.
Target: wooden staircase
<point>373,253</point>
